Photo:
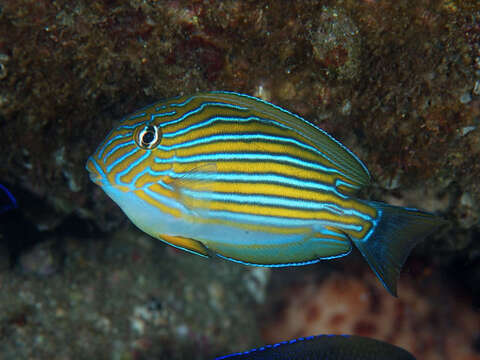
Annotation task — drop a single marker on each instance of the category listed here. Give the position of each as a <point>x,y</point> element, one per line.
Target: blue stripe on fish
<point>121,159</point>
<point>199,109</point>
<point>115,149</point>
<point>112,140</point>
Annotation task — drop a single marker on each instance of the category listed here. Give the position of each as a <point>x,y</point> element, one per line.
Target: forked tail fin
<point>396,233</point>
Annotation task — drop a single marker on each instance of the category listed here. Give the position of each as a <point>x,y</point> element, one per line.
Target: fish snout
<point>94,170</point>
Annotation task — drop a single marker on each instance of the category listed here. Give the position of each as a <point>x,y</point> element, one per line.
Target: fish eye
<point>148,137</point>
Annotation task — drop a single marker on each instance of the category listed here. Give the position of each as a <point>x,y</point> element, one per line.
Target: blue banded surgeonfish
<point>232,175</point>
<point>323,347</point>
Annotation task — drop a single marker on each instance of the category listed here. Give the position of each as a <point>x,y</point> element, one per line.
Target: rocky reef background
<point>397,81</point>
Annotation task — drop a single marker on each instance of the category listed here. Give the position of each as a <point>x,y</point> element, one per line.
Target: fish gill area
<point>398,82</point>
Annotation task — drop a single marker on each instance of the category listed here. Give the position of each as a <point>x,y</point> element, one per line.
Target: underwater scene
<point>200,180</point>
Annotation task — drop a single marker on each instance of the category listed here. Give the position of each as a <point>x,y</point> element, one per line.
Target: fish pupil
<point>148,137</point>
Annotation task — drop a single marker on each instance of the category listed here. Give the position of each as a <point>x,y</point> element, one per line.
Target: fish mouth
<point>94,171</point>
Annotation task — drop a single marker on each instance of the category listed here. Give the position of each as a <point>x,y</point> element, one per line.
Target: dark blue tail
<point>396,233</point>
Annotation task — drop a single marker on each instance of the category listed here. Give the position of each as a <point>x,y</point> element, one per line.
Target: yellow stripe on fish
<point>230,174</point>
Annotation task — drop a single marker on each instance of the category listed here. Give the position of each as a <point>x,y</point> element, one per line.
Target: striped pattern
<point>235,161</point>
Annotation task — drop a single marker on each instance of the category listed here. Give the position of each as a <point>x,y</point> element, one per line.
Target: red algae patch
<point>431,323</point>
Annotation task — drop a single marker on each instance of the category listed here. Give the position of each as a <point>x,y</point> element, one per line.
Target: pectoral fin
<point>194,180</point>
<point>190,245</point>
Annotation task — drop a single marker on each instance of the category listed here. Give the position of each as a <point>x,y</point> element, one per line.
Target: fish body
<point>232,175</point>
<point>331,347</point>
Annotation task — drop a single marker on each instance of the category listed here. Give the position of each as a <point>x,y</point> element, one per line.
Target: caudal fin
<point>396,233</point>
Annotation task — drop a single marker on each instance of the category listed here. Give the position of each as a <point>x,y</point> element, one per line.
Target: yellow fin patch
<point>186,244</point>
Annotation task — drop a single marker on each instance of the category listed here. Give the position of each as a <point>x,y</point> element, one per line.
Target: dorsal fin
<point>332,150</point>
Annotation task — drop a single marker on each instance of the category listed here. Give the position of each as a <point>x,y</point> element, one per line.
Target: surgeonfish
<point>322,347</point>
<point>7,200</point>
<point>232,175</point>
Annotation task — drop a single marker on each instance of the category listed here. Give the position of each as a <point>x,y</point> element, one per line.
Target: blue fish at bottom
<point>231,175</point>
<point>325,347</point>
<point>7,200</point>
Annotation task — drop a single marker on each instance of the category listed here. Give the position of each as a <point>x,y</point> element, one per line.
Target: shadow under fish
<point>7,200</point>
<point>235,176</point>
<point>323,347</point>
